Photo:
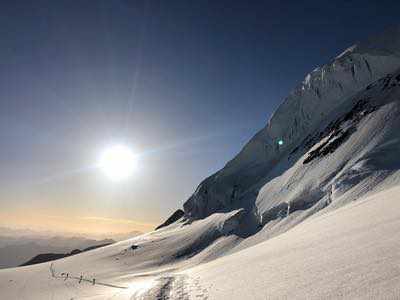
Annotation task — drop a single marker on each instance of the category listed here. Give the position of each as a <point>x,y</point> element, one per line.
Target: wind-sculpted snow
<point>322,92</point>
<point>340,160</point>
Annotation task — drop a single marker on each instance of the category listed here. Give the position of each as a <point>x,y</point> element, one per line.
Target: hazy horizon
<point>90,227</point>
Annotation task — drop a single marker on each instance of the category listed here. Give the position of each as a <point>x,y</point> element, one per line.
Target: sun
<point>118,162</point>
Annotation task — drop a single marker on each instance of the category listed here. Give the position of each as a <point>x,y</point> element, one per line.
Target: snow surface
<point>351,252</point>
<point>315,218</point>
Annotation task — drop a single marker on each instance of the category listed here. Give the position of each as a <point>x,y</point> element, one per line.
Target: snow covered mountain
<point>323,95</point>
<point>309,209</point>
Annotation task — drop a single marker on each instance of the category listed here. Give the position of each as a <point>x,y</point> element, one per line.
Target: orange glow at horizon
<point>87,225</point>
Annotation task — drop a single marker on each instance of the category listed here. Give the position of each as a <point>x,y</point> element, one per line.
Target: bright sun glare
<point>118,162</point>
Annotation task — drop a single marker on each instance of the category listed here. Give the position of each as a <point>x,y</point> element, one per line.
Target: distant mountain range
<point>45,257</point>
<point>15,235</point>
<point>21,251</point>
<point>26,246</point>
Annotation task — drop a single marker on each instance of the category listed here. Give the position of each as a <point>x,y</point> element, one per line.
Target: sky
<point>184,84</point>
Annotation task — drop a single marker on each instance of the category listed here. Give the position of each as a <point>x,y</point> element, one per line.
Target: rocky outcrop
<point>172,219</point>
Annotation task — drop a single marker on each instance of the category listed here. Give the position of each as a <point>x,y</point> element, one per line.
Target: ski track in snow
<point>175,287</point>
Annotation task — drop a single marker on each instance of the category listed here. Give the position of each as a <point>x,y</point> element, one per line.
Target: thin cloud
<point>100,219</point>
<point>119,221</point>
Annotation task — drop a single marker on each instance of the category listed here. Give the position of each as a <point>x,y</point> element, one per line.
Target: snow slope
<point>351,252</point>
<point>314,218</point>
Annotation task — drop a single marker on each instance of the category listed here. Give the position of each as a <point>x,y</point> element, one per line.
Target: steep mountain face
<point>352,152</point>
<point>336,104</point>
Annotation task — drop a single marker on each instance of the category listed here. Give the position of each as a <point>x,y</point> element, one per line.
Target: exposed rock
<point>172,219</point>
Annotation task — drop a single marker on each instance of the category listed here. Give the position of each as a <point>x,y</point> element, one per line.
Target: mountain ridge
<point>320,93</point>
